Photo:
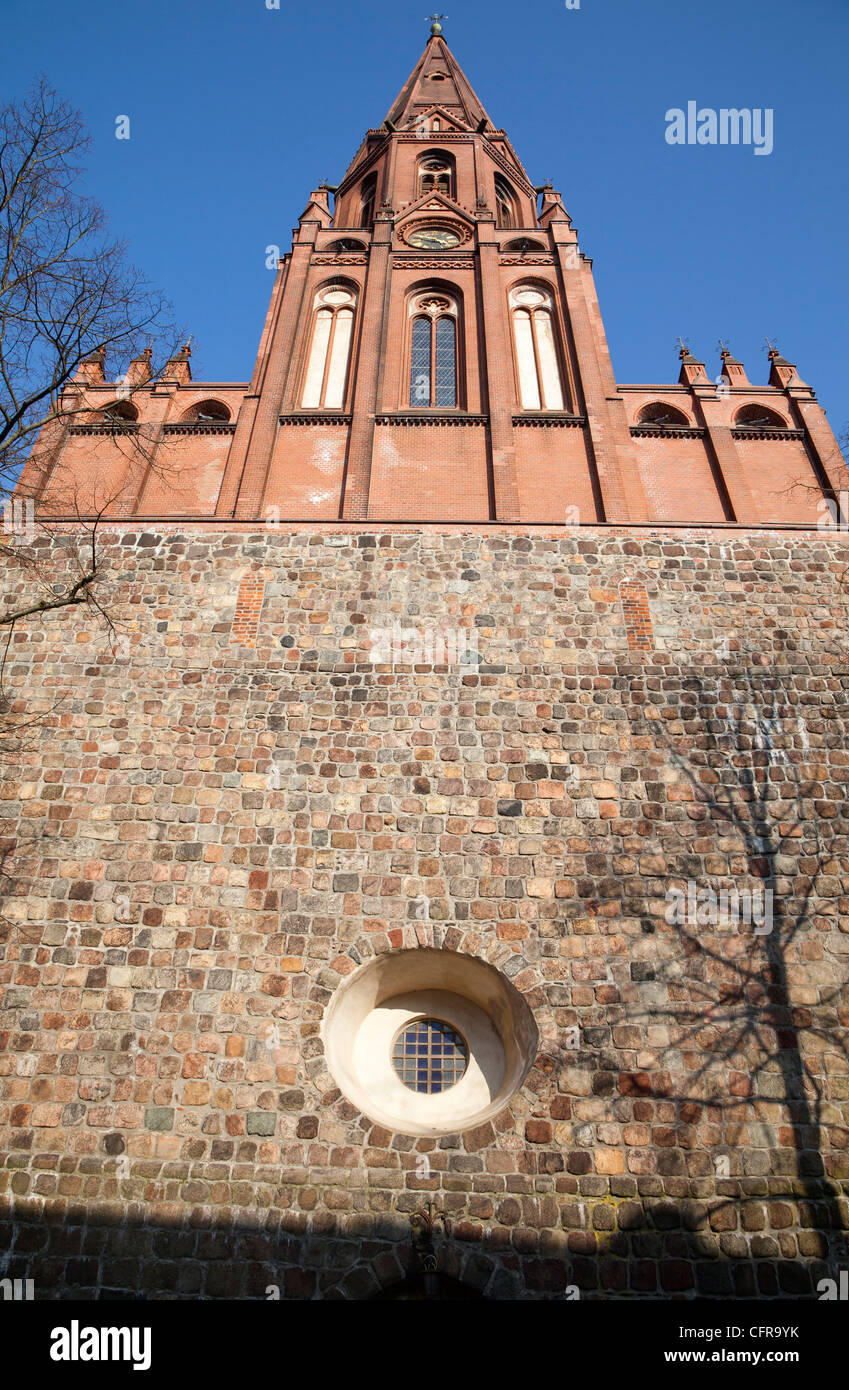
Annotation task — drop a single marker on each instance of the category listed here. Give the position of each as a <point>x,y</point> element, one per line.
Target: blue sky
<point>238,110</point>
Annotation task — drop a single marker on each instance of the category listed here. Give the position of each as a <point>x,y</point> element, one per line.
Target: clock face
<point>433,239</point>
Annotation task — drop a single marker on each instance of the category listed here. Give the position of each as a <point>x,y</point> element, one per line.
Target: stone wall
<point>208,828</point>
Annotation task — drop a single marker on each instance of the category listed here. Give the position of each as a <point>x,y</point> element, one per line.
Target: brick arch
<point>345,244</point>
<point>438,284</point>
<point>121,411</point>
<point>754,414</point>
<point>210,406</point>
<point>533,282</point>
<point>344,282</point>
<point>653,412</point>
<point>374,1278</point>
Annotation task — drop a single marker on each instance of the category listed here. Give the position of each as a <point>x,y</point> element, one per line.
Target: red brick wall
<point>553,470</point>
<point>430,472</point>
<point>307,469</point>
<point>95,470</point>
<point>186,475</point>
<point>677,479</point>
<point>781,479</point>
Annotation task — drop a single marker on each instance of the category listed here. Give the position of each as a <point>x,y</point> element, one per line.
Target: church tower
<point>430,352</point>
<point>434,351</point>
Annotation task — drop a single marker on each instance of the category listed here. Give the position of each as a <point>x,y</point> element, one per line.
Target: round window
<point>430,1056</point>
<point>337,296</point>
<point>530,297</point>
<point>425,1041</point>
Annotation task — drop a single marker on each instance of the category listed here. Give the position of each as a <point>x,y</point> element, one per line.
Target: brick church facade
<point>436,882</point>
<point>434,351</point>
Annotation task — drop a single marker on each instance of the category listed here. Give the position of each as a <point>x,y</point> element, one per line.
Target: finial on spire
<point>770,347</point>
<point>435,26</point>
<point>683,346</point>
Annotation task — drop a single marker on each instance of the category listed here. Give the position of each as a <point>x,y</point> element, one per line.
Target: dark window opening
<point>367,201</point>
<point>505,204</point>
<point>661,414</point>
<point>760,417</point>
<point>121,413</point>
<point>207,413</point>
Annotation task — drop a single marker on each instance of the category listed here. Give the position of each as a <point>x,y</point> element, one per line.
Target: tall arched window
<point>330,349</point>
<point>368,194</point>
<point>434,371</point>
<point>505,203</point>
<point>537,365</point>
<point>436,175</point>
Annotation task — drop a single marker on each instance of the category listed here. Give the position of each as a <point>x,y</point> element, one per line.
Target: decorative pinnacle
<point>683,346</point>
<point>435,26</point>
<point>724,349</point>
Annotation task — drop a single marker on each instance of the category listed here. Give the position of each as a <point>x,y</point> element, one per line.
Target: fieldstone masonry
<point>203,841</point>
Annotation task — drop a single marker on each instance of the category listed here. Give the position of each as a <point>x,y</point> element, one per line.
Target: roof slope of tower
<point>438,80</point>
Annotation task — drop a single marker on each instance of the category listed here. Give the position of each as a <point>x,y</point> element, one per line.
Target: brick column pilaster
<point>260,444</point>
<point>609,434</point>
<point>240,443</point>
<point>159,404</point>
<point>497,354</point>
<point>372,340</point>
<point>820,441</point>
<point>728,461</point>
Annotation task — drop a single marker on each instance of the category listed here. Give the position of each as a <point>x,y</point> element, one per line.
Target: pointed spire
<point>781,372</point>
<point>437,80</point>
<point>692,370</point>
<point>732,369</point>
<point>92,367</point>
<point>318,207</point>
<point>139,370</point>
<point>179,367</point>
<point>552,209</point>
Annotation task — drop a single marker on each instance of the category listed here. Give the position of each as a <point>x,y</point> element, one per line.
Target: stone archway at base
<point>418,1288</point>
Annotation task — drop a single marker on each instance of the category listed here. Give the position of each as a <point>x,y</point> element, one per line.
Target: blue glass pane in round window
<point>429,1056</point>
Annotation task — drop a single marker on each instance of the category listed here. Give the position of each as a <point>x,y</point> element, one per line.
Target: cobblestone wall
<point>204,838</point>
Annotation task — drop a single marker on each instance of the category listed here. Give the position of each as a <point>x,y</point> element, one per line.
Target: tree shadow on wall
<point>747,774</point>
